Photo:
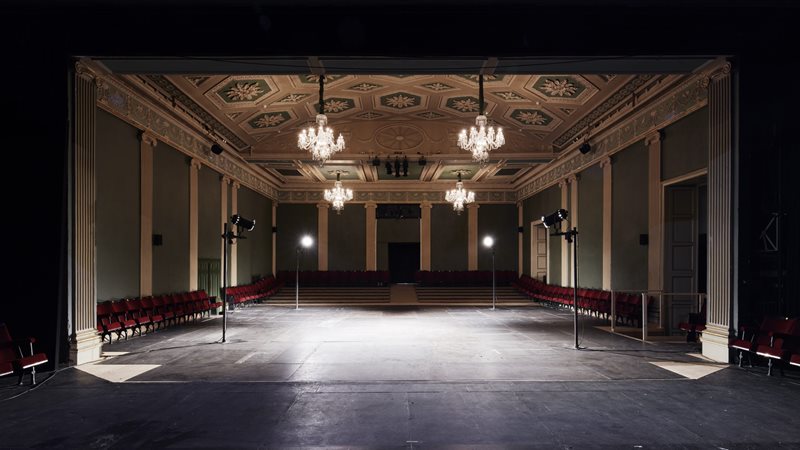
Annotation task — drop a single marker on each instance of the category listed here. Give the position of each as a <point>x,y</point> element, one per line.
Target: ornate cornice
<point>670,107</point>
<point>115,97</point>
<point>394,197</point>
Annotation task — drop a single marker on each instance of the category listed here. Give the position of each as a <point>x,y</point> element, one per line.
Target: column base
<point>85,347</point>
<point>715,344</point>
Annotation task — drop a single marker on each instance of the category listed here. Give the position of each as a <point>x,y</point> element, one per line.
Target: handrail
<point>701,296</point>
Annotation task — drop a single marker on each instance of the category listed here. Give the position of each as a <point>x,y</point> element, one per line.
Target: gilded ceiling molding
<point>116,98</point>
<point>679,102</point>
<point>395,197</point>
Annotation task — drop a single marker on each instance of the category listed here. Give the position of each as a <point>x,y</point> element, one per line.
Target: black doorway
<point>403,261</point>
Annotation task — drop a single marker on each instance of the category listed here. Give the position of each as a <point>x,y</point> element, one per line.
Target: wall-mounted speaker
<point>585,148</point>
<point>216,149</point>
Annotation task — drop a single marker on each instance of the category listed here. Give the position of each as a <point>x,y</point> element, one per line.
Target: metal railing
<point>669,304</point>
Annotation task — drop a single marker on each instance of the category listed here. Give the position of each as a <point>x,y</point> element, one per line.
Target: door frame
<point>533,254</point>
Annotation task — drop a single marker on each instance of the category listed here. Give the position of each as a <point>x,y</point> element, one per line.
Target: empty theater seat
<point>767,340</point>
<point>11,353</point>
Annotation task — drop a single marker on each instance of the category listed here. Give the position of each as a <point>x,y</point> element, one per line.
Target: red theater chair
<point>15,360</point>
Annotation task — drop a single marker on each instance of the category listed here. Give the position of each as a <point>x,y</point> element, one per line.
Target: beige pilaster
<point>322,235</point>
<point>573,214</point>
<point>371,236</point>
<point>425,236</point>
<point>233,249</point>
<point>147,142</point>
<point>224,182</point>
<point>720,217</point>
<point>520,237</point>
<point>565,272</point>
<point>655,213</point>
<point>472,236</point>
<point>194,168</point>
<point>274,238</point>
<point>85,344</point>
<point>605,164</point>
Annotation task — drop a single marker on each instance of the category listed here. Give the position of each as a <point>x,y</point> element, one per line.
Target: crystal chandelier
<point>320,141</point>
<point>481,140</point>
<point>459,196</point>
<point>338,195</point>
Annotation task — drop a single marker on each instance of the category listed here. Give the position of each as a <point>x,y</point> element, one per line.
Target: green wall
<point>209,245</point>
<point>254,254</point>
<point>394,230</point>
<point>544,202</point>
<point>170,219</point>
<point>448,238</point>
<point>347,246</point>
<point>629,218</point>
<point>295,221</point>
<point>684,146</point>
<point>117,208</point>
<point>500,222</point>
<point>590,227</point>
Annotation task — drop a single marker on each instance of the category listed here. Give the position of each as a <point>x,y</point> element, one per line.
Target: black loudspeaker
<point>585,148</point>
<point>158,240</point>
<point>520,229</point>
<point>216,149</point>
<point>644,239</point>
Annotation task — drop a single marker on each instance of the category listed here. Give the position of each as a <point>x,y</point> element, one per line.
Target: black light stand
<point>571,236</point>
<point>229,237</point>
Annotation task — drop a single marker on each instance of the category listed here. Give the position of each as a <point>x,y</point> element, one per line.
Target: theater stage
<point>402,377</point>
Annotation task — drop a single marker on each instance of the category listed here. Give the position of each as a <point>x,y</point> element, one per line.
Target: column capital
<point>473,206</point>
<point>605,162</point>
<point>225,180</point>
<point>426,204</point>
<point>653,138</point>
<point>563,183</point>
<point>370,204</point>
<point>82,70</point>
<point>322,205</point>
<point>148,138</point>
<point>195,164</point>
<point>235,185</point>
<point>573,178</point>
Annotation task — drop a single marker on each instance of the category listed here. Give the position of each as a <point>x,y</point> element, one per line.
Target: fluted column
<point>472,236</point>
<point>371,236</point>
<point>565,271</point>
<point>322,235</point>
<point>274,238</point>
<point>573,219</point>
<point>224,182</point>
<point>194,168</point>
<point>85,344</point>
<point>520,237</point>
<point>425,237</point>
<point>147,142</point>
<point>234,253</point>
<point>655,271</point>
<point>720,217</point>
<point>605,164</point>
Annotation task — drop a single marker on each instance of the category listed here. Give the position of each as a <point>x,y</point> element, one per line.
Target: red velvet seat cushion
<point>30,361</point>
<point>6,368</point>
<point>741,344</point>
<point>795,359</point>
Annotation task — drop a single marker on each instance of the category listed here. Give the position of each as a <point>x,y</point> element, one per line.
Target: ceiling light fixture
<point>338,195</point>
<point>320,141</point>
<point>481,140</point>
<point>459,196</point>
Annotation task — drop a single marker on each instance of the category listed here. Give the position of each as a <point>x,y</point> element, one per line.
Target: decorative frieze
<point>395,197</point>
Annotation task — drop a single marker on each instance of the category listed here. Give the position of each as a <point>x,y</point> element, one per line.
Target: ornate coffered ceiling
<point>402,116</point>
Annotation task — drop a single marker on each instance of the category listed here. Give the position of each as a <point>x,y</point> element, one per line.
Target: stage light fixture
<point>405,166</point>
<point>422,160</point>
<point>216,149</point>
<point>306,241</point>
<point>388,167</point>
<point>376,162</point>
<point>555,218</point>
<point>241,222</point>
<point>396,167</point>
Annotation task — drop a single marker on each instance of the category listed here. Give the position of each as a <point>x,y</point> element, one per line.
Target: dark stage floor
<point>412,377</point>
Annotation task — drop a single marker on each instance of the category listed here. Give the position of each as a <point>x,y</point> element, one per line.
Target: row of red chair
<point>334,278</point>
<point>140,314</point>
<point>597,302</point>
<point>454,278</point>
<point>12,361</point>
<point>265,287</point>
<point>776,338</point>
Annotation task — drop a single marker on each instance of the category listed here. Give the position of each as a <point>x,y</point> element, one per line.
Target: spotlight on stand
<point>405,166</point>
<point>241,222</point>
<point>388,167</point>
<point>422,160</point>
<point>555,218</point>
<point>397,166</point>
<point>376,161</point>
